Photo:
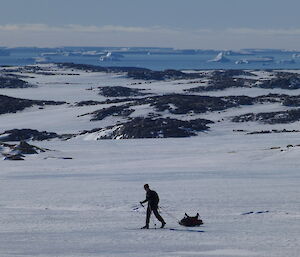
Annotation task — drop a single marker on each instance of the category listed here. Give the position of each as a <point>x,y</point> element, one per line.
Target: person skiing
<point>152,199</point>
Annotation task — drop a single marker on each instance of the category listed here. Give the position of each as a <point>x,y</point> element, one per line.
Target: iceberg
<point>256,60</point>
<point>296,56</point>
<point>220,58</point>
<point>110,56</point>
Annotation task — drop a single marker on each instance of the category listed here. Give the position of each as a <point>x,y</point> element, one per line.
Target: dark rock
<point>271,98</point>
<point>239,100</point>
<point>158,128</point>
<point>260,132</point>
<point>187,104</point>
<point>273,131</point>
<point>162,75</point>
<point>25,148</point>
<point>18,151</point>
<point>291,101</point>
<point>183,104</point>
<point>232,73</point>
<point>134,73</point>
<point>14,157</point>
<point>27,134</point>
<point>2,144</point>
<point>93,68</point>
<point>118,100</point>
<point>122,110</point>
<point>284,80</point>
<point>221,80</point>
<point>11,104</point>
<point>238,130</point>
<point>175,104</point>
<point>119,91</point>
<point>287,100</point>
<point>86,103</point>
<point>11,82</point>
<point>222,83</point>
<point>288,116</point>
<point>34,69</point>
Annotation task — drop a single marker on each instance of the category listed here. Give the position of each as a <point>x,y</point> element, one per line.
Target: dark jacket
<point>152,198</point>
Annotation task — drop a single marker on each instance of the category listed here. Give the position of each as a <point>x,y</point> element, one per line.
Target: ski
<point>170,229</point>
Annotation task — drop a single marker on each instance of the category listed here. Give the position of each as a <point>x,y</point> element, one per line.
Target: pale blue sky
<point>184,24</point>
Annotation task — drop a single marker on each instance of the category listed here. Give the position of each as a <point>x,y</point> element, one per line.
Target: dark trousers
<point>155,211</point>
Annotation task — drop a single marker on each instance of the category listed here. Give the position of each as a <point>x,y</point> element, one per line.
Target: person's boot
<point>145,227</point>
<point>163,224</point>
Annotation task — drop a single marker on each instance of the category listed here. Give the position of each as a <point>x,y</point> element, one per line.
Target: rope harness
<point>160,209</point>
<point>169,214</point>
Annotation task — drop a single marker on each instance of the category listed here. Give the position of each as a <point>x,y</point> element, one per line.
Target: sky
<point>199,24</point>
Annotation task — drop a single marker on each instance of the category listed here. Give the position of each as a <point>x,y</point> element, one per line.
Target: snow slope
<point>84,206</point>
<point>245,187</point>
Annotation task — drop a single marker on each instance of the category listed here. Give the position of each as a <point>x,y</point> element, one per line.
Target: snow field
<point>84,206</point>
<point>246,192</point>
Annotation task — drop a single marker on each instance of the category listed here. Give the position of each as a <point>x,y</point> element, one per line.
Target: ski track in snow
<point>246,193</point>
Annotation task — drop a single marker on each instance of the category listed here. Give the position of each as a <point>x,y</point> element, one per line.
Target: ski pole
<point>150,215</point>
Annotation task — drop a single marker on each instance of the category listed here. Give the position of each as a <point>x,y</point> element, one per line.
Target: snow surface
<point>245,187</point>
<point>84,206</point>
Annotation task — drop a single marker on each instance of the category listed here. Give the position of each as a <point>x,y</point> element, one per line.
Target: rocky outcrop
<point>277,131</point>
<point>180,104</point>
<point>25,148</point>
<point>184,104</point>
<point>283,80</point>
<point>11,104</point>
<point>135,73</point>
<point>11,82</point>
<point>174,104</point>
<point>153,128</point>
<point>122,110</point>
<point>26,134</point>
<point>231,73</point>
<point>291,101</point>
<point>119,91</point>
<point>118,100</point>
<point>162,75</point>
<point>19,151</point>
<point>94,68</point>
<point>87,103</point>
<point>14,157</point>
<point>221,80</point>
<point>289,116</point>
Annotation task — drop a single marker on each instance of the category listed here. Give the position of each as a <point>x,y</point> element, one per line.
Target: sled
<point>191,221</point>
